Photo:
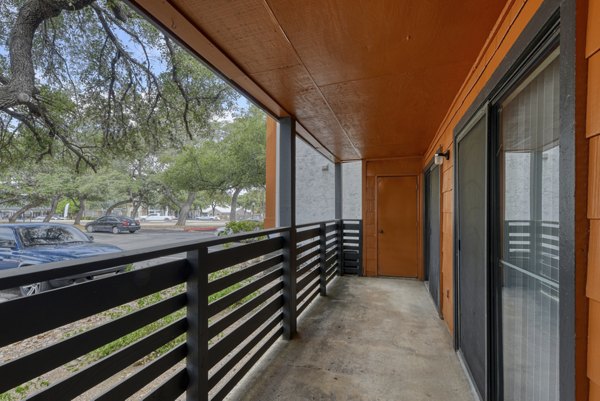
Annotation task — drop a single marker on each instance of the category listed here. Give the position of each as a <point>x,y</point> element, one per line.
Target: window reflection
<point>50,235</point>
<point>530,233</point>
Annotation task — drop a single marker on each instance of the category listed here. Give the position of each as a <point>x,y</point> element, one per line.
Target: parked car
<point>208,218</point>
<point>42,217</point>
<point>157,217</point>
<point>29,244</point>
<point>113,224</point>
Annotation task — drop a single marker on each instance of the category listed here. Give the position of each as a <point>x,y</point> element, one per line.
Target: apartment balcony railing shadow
<point>224,304</point>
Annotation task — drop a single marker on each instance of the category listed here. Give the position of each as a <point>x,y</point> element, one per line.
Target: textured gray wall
<point>315,186</point>
<point>352,190</point>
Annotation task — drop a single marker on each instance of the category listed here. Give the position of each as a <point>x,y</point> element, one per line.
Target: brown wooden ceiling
<point>367,79</point>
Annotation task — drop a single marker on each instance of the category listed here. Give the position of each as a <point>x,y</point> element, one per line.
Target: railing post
<point>323,264</point>
<point>340,247</point>
<point>289,284</point>
<point>197,333</point>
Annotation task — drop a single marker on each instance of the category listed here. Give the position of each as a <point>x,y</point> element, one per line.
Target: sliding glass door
<point>432,226</point>
<point>529,234</point>
<point>471,243</point>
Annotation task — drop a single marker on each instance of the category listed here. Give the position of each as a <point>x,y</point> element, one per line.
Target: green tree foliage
<point>211,199</point>
<point>244,154</point>
<point>96,94</point>
<point>92,80</point>
<point>34,186</point>
<point>253,200</point>
<point>194,169</point>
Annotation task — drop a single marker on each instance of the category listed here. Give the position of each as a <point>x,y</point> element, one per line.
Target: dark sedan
<point>113,224</point>
<point>36,243</point>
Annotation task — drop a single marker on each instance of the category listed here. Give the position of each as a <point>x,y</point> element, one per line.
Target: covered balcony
<point>464,277</point>
<point>353,337</point>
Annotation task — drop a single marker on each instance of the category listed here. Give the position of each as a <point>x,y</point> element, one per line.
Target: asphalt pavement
<point>149,237</point>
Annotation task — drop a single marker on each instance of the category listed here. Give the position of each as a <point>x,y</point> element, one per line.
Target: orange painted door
<point>397,226</point>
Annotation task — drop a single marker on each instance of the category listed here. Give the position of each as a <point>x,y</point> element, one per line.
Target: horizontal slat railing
<point>533,246</point>
<point>309,246</point>
<point>352,247</point>
<point>129,386</point>
<point>16,372</point>
<point>308,267</point>
<point>33,315</point>
<point>206,317</point>
<point>85,379</point>
<point>237,296</point>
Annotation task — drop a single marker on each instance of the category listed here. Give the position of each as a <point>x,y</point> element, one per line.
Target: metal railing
<point>206,316</point>
<point>533,246</point>
<point>352,247</point>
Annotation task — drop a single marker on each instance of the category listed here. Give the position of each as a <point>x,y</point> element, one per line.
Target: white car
<point>156,217</point>
<point>208,218</point>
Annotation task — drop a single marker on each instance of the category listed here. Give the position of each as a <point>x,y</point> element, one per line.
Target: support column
<point>338,191</point>
<point>271,174</point>
<point>286,217</point>
<point>338,217</point>
<point>286,172</point>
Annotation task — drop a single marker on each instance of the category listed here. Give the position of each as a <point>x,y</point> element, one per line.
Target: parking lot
<point>148,236</point>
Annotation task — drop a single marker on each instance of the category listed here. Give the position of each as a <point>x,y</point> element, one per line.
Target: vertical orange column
<point>593,211</point>
<point>271,174</point>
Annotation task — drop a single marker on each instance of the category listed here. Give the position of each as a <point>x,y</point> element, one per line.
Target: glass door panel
<point>529,255</point>
<point>472,278</point>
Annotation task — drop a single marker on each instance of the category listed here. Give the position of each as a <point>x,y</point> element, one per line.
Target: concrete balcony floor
<point>369,339</point>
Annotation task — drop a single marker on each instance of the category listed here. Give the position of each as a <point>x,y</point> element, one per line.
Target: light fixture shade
<point>439,156</point>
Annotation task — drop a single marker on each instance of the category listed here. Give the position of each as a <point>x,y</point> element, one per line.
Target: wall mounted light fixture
<point>438,158</point>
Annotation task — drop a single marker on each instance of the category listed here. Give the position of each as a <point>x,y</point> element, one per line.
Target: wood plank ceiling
<point>365,79</point>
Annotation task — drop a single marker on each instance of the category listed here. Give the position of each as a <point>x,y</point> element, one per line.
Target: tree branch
<point>100,13</point>
<point>177,80</point>
<point>19,88</point>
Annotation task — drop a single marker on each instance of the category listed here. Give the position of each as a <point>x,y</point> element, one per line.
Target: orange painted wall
<point>371,170</point>
<point>271,174</point>
<point>592,53</point>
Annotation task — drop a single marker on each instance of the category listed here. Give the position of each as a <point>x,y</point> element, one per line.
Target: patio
<point>369,339</point>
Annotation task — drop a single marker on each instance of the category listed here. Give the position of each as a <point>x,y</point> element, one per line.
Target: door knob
<point>380,231</point>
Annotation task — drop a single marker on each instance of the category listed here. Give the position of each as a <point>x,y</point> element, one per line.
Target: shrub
<point>235,227</point>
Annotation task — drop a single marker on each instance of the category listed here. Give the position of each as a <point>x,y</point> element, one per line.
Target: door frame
<point>420,265</point>
<point>483,113</point>
<point>546,43</point>
<point>425,237</point>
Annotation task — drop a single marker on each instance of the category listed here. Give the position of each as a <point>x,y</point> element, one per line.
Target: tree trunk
<point>80,212</point>
<point>234,199</point>
<point>114,205</point>
<point>52,208</point>
<point>136,208</point>
<point>15,216</point>
<point>185,208</point>
<point>20,88</point>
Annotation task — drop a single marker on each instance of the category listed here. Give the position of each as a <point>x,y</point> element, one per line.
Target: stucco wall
<point>315,186</point>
